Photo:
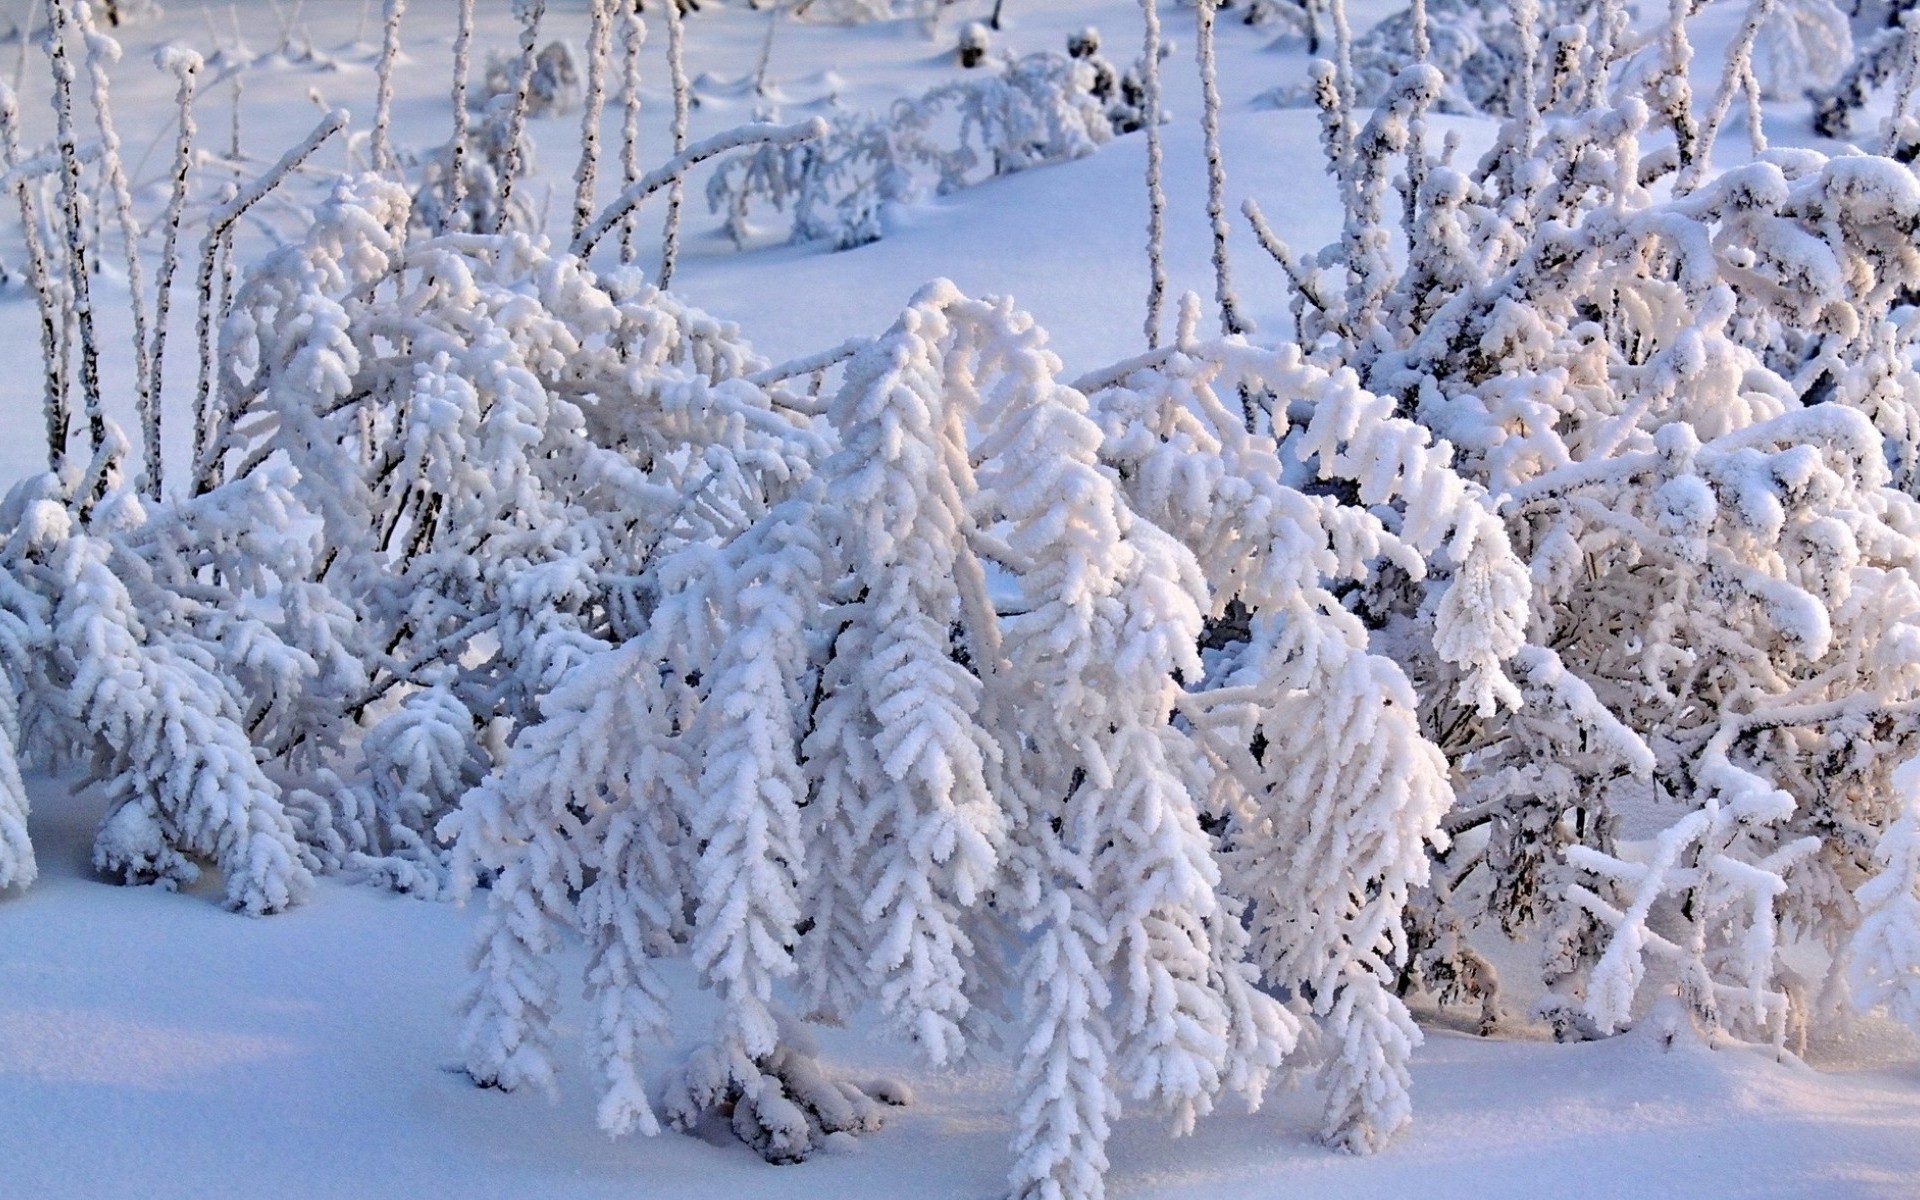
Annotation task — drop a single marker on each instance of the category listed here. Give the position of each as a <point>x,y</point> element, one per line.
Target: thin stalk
<point>1231,321</point>
<point>635,32</point>
<point>670,240</point>
<point>1156,191</point>
<point>186,67</point>
<point>599,38</point>
<point>457,153</point>
<point>530,13</point>
<point>57,416</point>
<point>77,269</point>
<point>378,149</point>
<point>102,51</point>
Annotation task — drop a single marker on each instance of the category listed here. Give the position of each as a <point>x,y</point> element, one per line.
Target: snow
<point>154,1045</point>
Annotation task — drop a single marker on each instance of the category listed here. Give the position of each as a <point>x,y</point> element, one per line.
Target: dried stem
<point>1156,192</point>
<point>530,13</point>
<point>57,416</point>
<point>102,51</point>
<point>186,67</point>
<point>635,33</point>
<point>1732,79</point>
<point>599,38</point>
<point>676,66</point>
<point>457,151</point>
<point>76,234</point>
<point>1231,321</point>
<point>378,149</point>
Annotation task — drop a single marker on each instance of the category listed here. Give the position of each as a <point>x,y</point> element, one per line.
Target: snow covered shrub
<point>1330,793</point>
<point>1037,110</point>
<point>1697,415</point>
<point>144,691</point>
<point>486,155</point>
<point>843,12</point>
<point>496,445</point>
<point>905,739</point>
<point>1875,56</point>
<point>1804,45</point>
<point>553,88</point>
<point>1475,44</point>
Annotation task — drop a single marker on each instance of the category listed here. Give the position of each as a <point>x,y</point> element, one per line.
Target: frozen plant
<point>1877,57</point>
<point>1035,111</point>
<point>993,789</point>
<point>1804,46</point>
<point>553,86</point>
<point>1698,413</point>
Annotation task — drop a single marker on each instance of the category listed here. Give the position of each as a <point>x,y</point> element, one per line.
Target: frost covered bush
<point>905,739</point>
<point>1881,51</point>
<point>553,87</point>
<point>1475,45</point>
<point>96,675</point>
<point>486,157</point>
<point>1168,727</point>
<point>1037,110</point>
<point>1697,416</point>
<point>1803,46</point>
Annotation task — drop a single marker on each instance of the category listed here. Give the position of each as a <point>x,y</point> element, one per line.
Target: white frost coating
<point>1314,741</point>
<point>1883,959</point>
<point>925,792</point>
<point>185,782</point>
<point>1730,873</point>
<point>22,630</point>
<point>1025,113</point>
<point>599,45</point>
<point>677,78</point>
<point>379,153</point>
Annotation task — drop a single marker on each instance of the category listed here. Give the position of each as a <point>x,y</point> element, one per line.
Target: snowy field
<point>154,1045</point>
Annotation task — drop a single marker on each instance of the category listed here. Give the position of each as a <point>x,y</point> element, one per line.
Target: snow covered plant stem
<point>1733,78</point>
<point>1231,321</point>
<point>74,226</point>
<point>102,52</point>
<point>676,191</point>
<point>54,394</point>
<point>599,38</point>
<point>1156,194</point>
<point>634,35</point>
<point>185,66</point>
<point>218,228</point>
<point>378,150</point>
<point>529,12</point>
<point>670,173</point>
<point>457,148</point>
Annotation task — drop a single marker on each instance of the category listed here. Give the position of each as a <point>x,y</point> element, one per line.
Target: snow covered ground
<point>153,1045</point>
